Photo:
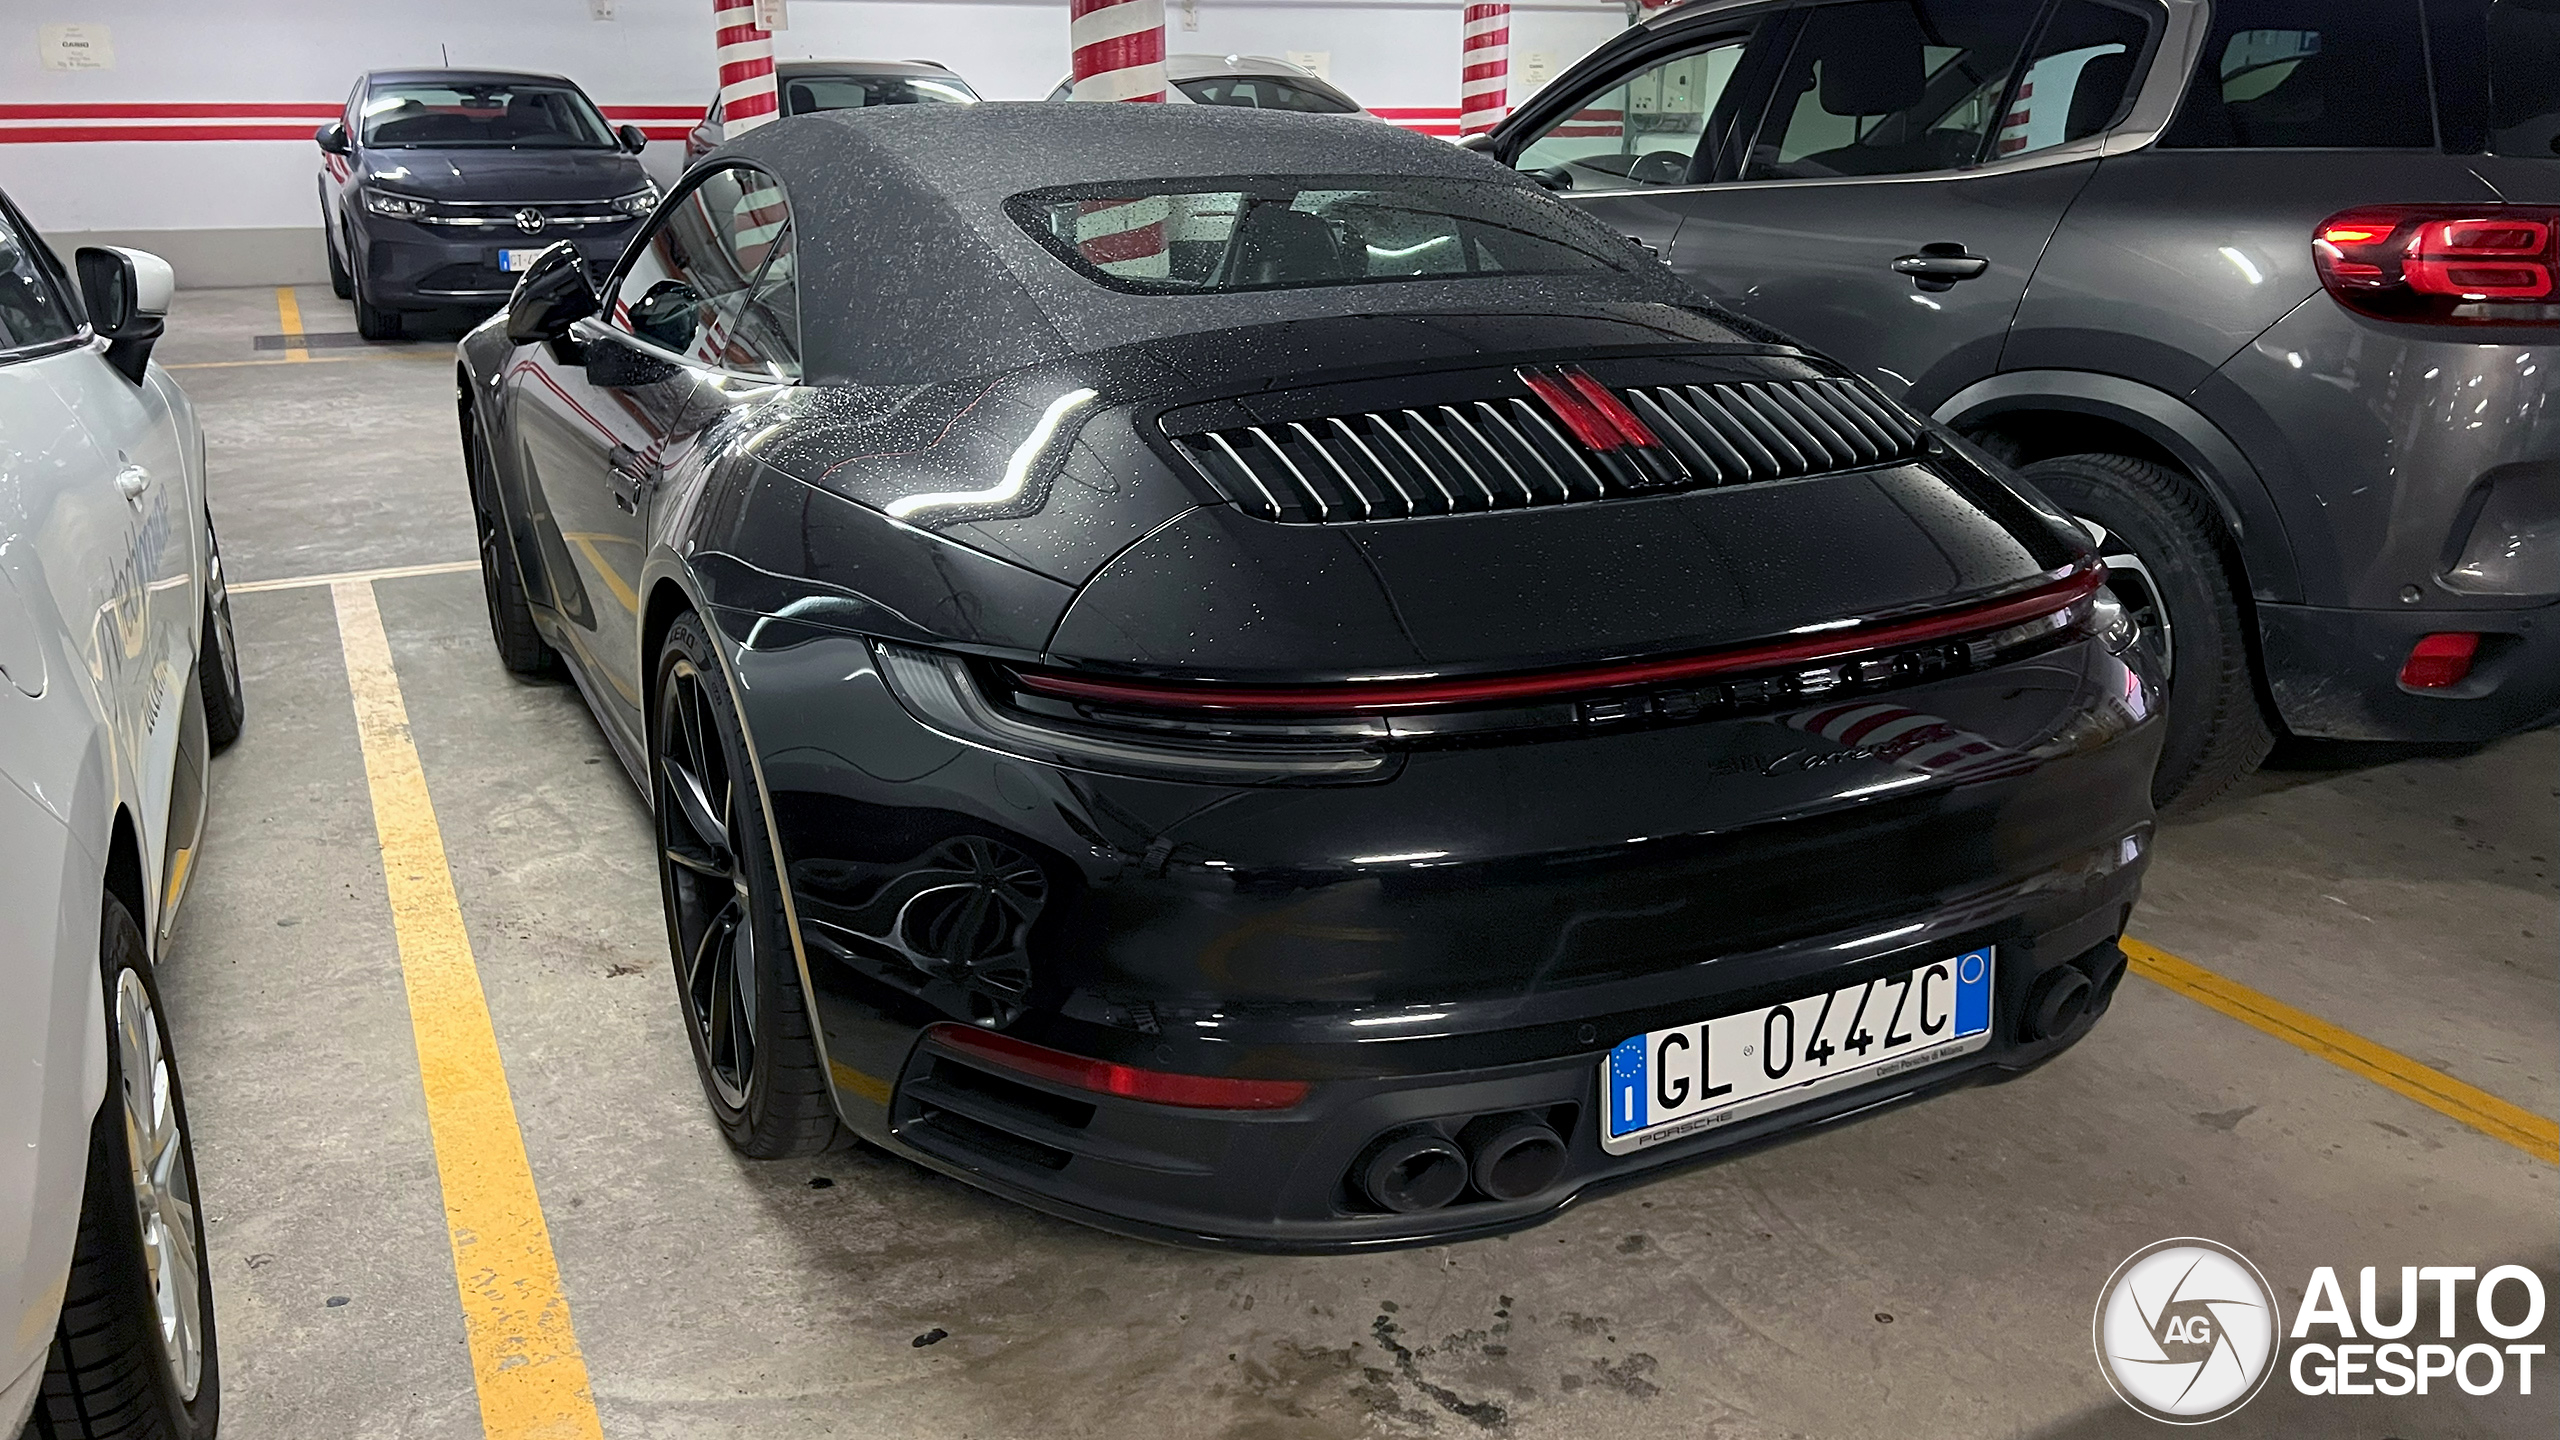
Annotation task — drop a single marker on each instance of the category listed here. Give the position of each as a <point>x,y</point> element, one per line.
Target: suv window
<point>2524,77</point>
<point>1644,130</point>
<point>811,94</point>
<point>1890,87</point>
<point>2079,77</point>
<point>31,310</point>
<point>2292,74</point>
<point>707,252</point>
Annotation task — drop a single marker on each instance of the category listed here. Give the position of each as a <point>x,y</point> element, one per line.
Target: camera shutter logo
<point>2186,1331</point>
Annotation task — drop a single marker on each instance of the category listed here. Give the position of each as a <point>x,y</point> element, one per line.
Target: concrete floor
<point>1928,1273</point>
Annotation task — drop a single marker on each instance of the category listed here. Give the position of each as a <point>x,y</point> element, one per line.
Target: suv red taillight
<point>2439,660</point>
<point>2444,264</point>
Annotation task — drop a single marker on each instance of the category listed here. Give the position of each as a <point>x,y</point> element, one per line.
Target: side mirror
<point>1481,142</point>
<point>127,295</point>
<point>551,297</point>
<point>332,138</point>
<point>633,138</point>
<point>1554,177</point>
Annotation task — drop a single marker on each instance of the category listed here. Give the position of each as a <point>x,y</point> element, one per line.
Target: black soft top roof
<point>911,272</point>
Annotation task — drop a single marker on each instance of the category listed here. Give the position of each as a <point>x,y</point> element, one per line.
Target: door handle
<point>1939,265</point>
<point>132,480</point>
<point>628,475</point>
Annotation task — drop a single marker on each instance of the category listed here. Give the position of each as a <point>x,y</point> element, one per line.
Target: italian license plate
<point>514,260</point>
<point>1671,1083</point>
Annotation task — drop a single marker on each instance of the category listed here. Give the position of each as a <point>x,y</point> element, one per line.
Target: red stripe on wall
<point>59,134</point>
<point>166,112</point>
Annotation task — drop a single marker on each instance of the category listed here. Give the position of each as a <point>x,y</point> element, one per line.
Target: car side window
<point>703,255</point>
<point>1644,130</point>
<point>1890,87</point>
<point>762,335</point>
<point>2294,74</point>
<point>2079,78</point>
<point>32,311</point>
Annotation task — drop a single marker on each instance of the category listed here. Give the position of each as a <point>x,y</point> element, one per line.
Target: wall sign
<point>76,47</point>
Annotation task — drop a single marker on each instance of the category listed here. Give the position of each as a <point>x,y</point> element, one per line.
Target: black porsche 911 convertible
<point>1253,680</point>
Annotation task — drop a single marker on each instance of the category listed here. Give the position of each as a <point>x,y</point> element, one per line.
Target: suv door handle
<point>131,481</point>
<point>1939,265</point>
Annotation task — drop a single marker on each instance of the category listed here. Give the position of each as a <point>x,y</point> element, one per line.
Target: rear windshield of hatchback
<point>445,115</point>
<point>1231,235</point>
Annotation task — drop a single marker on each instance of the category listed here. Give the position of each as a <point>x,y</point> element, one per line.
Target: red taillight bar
<point>1612,409</point>
<point>2439,660</point>
<point>1366,695</point>
<point>1103,1077</point>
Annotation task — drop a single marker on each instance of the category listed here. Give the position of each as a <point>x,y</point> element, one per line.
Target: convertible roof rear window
<point>1201,237</point>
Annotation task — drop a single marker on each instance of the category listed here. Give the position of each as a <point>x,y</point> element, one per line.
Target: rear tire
<point>218,655</point>
<point>120,1364</point>
<point>521,647</point>
<point>736,978</point>
<point>2218,728</point>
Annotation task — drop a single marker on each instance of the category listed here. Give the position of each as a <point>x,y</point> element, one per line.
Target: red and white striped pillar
<point>1119,49</point>
<point>747,97</point>
<point>1484,74</point>
<point>1119,55</point>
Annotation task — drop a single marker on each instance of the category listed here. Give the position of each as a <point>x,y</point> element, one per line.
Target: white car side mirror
<point>127,292</point>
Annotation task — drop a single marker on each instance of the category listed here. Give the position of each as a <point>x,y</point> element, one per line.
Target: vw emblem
<point>529,220</point>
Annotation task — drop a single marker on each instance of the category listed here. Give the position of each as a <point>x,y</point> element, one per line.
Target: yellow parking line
<point>623,595</point>
<point>289,312</point>
<point>2534,1134</point>
<point>524,1352</point>
<point>395,572</point>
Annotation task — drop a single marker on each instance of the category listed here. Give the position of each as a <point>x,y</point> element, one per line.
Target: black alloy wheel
<point>735,973</point>
<point>2163,542</point>
<point>521,647</point>
<point>226,705</point>
<point>133,1354</point>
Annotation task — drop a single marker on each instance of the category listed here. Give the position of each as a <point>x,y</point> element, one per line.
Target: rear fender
<point>2200,447</point>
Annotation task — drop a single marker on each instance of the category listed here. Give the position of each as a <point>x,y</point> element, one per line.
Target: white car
<point>117,681</point>
<point>1253,82</point>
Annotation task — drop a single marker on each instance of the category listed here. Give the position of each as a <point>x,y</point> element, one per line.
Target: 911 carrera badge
<point>530,221</point>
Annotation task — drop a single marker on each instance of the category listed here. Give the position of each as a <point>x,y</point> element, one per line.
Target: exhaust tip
<point>1412,1172</point>
<point>2060,999</point>
<point>1513,1157</point>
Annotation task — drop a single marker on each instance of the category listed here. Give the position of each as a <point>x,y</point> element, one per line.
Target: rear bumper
<point>1282,1182</point>
<point>2335,674</point>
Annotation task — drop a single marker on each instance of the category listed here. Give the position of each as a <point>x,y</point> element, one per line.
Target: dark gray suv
<point>2264,290</point>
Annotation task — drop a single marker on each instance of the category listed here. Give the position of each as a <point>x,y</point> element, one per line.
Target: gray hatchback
<point>2266,291</point>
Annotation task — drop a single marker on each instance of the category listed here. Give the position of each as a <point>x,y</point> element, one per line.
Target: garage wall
<point>224,95</point>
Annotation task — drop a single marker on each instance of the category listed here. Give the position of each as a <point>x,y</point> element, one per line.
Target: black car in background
<point>2265,291</point>
<point>806,87</point>
<point>438,187</point>
<point>1253,679</point>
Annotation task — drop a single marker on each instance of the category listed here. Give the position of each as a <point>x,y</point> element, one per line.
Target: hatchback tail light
<point>2439,660</point>
<point>2442,264</point>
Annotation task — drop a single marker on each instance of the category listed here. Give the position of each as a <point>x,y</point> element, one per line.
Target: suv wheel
<point>2160,539</point>
<point>133,1355</point>
<point>342,283</point>
<point>372,321</point>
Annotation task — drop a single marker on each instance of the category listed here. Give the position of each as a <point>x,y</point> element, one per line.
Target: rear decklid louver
<point>1560,438</point>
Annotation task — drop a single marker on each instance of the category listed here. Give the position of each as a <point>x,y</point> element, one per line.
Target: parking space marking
<point>289,311</point>
<point>525,1360</point>
<point>2534,1134</point>
<point>343,577</point>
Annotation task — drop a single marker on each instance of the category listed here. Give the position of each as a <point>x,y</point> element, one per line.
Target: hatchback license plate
<point>514,260</point>
<point>1666,1084</point>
